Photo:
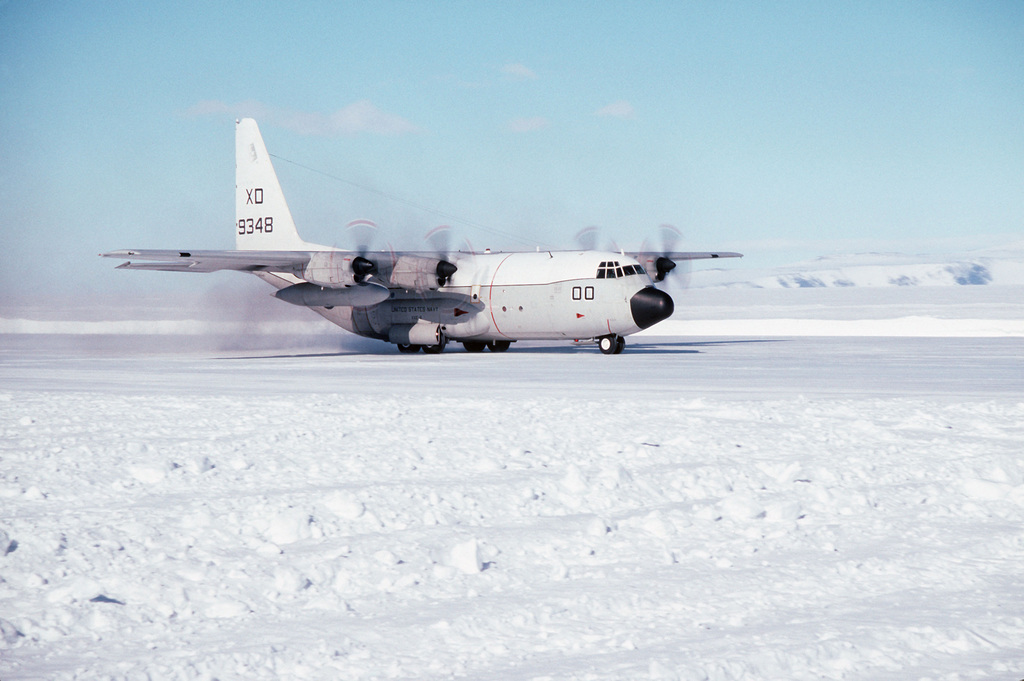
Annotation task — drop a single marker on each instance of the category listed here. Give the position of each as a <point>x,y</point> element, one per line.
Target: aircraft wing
<point>211,261</point>
<point>660,263</point>
<point>685,255</point>
<point>328,268</point>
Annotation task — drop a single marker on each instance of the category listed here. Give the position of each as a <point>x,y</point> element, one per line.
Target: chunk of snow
<point>986,490</point>
<point>226,609</point>
<point>289,526</point>
<point>147,474</point>
<point>345,505</point>
<point>574,481</point>
<point>465,557</point>
<point>741,507</point>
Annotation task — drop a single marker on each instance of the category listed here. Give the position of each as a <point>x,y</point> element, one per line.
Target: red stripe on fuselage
<point>490,294</point>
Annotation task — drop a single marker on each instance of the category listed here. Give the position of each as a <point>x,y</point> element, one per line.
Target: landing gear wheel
<point>611,345</point>
<point>436,349</point>
<point>408,349</point>
<point>474,346</point>
<point>498,346</point>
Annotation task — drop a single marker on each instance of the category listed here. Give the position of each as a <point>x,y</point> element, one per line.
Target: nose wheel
<point>611,345</point>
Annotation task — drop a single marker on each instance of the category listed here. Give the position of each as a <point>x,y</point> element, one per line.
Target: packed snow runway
<point>712,508</point>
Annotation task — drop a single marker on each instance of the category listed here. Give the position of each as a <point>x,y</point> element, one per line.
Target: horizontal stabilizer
<point>212,261</point>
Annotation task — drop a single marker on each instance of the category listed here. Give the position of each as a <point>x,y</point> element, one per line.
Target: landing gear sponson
<point>609,345</point>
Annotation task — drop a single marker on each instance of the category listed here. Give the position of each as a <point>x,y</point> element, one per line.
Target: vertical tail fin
<point>262,219</point>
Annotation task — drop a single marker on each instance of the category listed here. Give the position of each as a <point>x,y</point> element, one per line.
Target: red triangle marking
<point>580,316</point>
<point>459,313</point>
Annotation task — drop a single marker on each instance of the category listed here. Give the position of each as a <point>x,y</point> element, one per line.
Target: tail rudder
<point>262,219</point>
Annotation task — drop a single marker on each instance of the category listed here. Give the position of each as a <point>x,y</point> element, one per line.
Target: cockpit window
<point>611,269</point>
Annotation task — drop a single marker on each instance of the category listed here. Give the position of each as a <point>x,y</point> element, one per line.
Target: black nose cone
<point>650,306</point>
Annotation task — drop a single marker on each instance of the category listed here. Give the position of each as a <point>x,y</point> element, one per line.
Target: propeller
<point>663,263</point>
<point>362,233</point>
<point>588,239</point>
<point>669,238</point>
<point>439,239</point>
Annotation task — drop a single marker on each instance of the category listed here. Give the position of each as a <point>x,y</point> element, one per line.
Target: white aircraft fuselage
<point>546,295</point>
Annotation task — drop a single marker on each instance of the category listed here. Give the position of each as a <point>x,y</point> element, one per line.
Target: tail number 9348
<point>254,225</point>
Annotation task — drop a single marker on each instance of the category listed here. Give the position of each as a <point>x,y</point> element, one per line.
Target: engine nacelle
<point>416,273</point>
<point>657,266</point>
<point>334,269</point>
<point>312,295</point>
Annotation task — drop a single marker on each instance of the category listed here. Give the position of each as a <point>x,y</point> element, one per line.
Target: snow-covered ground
<point>727,508</point>
<point>224,502</point>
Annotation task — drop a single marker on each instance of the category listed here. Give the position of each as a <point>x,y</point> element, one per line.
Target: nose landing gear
<point>611,345</point>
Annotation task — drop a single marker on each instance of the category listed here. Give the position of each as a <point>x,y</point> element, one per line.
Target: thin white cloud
<point>356,118</point>
<point>528,124</point>
<point>619,109</point>
<point>518,72</point>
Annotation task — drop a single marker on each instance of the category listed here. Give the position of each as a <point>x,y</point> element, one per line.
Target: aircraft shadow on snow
<point>655,348</point>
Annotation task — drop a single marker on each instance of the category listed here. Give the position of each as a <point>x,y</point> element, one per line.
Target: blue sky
<point>783,130</point>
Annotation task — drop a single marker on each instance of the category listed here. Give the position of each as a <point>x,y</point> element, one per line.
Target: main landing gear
<point>429,349</point>
<point>611,345</point>
<point>471,346</point>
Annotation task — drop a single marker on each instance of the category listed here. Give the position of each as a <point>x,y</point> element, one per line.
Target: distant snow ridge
<point>970,274</point>
<point>959,274</point>
<point>980,268</point>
